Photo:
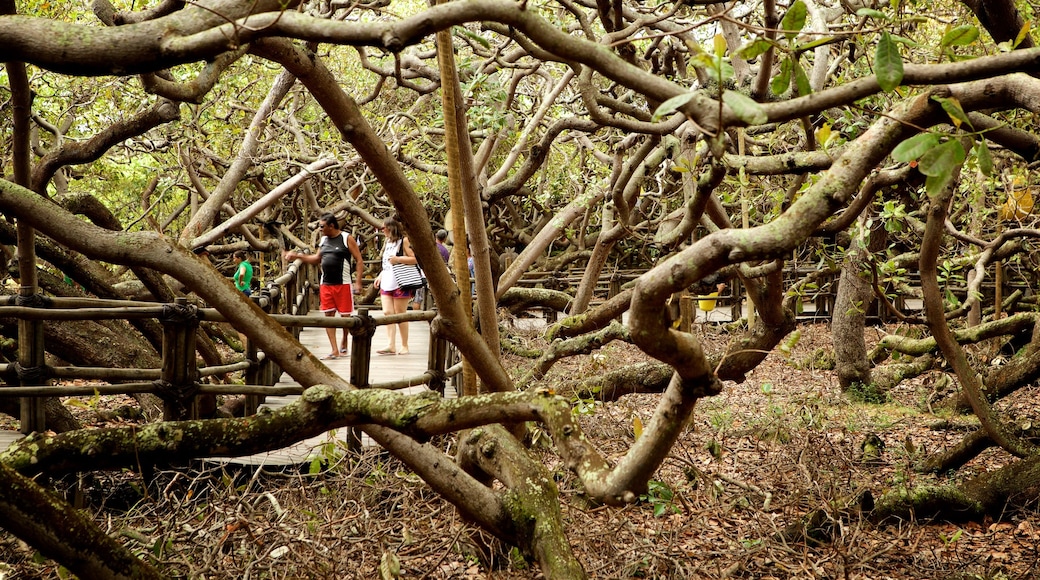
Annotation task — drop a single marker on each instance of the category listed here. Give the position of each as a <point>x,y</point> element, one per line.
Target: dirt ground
<point>753,462</point>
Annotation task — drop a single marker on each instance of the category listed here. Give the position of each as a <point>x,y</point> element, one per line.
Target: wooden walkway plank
<point>384,368</point>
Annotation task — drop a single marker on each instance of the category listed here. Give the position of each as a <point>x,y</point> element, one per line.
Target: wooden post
<point>253,376</point>
<point>687,314</point>
<point>614,288</point>
<point>437,362</point>
<point>360,359</point>
<point>737,292</point>
<point>975,313</point>
<point>30,358</point>
<point>998,293</point>
<point>179,370</point>
<point>313,287</point>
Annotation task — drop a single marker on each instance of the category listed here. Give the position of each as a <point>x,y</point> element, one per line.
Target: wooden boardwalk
<point>384,368</point>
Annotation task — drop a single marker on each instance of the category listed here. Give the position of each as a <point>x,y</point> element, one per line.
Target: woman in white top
<point>396,250</point>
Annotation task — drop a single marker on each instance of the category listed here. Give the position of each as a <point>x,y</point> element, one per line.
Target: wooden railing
<point>287,299</point>
<point>178,380</point>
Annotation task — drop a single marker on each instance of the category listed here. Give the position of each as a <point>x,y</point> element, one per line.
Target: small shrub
<point>870,394</point>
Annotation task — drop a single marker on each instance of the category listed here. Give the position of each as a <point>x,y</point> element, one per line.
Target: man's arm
<point>290,255</point>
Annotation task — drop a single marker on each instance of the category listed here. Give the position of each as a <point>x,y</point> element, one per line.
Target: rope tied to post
<point>37,375</point>
<point>33,301</point>
<point>177,396</point>
<point>179,313</point>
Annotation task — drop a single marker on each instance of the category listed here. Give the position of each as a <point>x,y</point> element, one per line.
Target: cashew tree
<point>694,140</point>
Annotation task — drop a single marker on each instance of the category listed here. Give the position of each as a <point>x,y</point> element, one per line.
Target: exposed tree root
<point>886,377</point>
<point>641,378</point>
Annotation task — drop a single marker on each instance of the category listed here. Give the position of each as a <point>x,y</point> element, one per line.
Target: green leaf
<point>720,45</point>
<point>692,46</point>
<point>935,184</point>
<point>794,20</point>
<point>801,80</point>
<point>904,41</point>
<point>315,467</point>
<point>720,71</point>
<point>953,108</point>
<point>942,159</point>
<point>914,147</point>
<point>962,35</point>
<point>811,45</point>
<point>754,50</point>
<point>472,36</point>
<point>871,13</point>
<point>984,158</point>
<point>888,64</point>
<point>672,105</point>
<point>782,81</point>
<point>745,108</point>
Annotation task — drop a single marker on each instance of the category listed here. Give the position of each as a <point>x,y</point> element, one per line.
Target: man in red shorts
<point>335,249</point>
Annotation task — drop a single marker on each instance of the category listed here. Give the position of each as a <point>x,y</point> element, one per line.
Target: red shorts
<point>336,298</point>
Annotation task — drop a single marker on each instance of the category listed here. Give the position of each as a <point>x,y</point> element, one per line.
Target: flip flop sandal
<point>386,351</point>
<point>330,357</point>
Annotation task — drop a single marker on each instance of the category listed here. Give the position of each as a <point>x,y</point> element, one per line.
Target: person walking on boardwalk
<point>396,251</point>
<point>442,236</point>
<point>335,249</point>
<point>243,273</point>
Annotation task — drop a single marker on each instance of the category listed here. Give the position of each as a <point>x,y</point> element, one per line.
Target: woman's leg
<point>401,306</point>
<point>391,329</point>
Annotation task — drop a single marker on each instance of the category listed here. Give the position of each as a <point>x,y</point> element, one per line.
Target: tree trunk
<point>854,297</point>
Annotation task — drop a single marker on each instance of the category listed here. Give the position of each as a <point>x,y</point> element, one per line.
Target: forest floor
<point>753,462</point>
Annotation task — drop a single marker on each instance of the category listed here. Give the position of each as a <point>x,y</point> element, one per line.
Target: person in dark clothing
<point>442,236</point>
<point>335,249</point>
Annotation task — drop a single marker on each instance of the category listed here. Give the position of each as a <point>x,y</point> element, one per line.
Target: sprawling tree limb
<point>648,377</point>
<point>239,219</point>
<point>1001,19</point>
<point>343,111</point>
<point>1014,324</point>
<point>63,533</point>
<point>245,158</point>
<point>146,47</point>
<point>532,499</point>
<point>319,409</point>
<point>518,300</point>
<point>584,344</point>
<point>854,296</point>
<point>594,319</point>
<point>75,152</point>
<point>958,455</point>
<point>935,314</point>
<point>545,236</point>
<point>990,493</point>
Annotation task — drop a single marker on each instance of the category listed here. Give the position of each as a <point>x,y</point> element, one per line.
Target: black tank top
<point>335,259</point>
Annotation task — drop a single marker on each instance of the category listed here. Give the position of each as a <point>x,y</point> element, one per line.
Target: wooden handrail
<point>179,375</point>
